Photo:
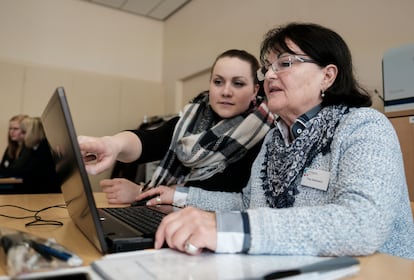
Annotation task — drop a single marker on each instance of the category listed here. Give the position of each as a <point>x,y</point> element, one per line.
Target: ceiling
<point>154,9</point>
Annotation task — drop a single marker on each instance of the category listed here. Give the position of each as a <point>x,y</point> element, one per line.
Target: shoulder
<point>43,145</point>
<point>201,97</point>
<point>361,115</point>
<point>365,119</point>
<point>367,127</point>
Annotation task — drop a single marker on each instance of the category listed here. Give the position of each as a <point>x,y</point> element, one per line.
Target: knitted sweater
<point>364,209</point>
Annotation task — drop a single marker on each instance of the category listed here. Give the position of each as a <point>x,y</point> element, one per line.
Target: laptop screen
<point>76,189</point>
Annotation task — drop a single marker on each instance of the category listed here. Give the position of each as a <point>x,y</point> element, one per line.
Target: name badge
<point>314,178</point>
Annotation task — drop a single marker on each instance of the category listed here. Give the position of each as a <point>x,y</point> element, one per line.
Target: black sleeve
<point>41,175</point>
<point>155,142</point>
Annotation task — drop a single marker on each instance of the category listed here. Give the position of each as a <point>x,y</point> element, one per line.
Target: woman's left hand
<point>161,194</point>
<point>188,230</point>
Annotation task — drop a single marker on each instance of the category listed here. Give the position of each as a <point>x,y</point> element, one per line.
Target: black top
<point>155,143</point>
<point>8,164</point>
<point>37,169</point>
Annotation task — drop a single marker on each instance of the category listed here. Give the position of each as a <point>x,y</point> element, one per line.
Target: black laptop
<point>102,226</point>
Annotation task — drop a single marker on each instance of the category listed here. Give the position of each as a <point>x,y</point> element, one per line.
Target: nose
<point>227,91</point>
<point>270,74</point>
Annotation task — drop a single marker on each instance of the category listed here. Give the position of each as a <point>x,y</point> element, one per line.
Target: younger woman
<point>211,145</point>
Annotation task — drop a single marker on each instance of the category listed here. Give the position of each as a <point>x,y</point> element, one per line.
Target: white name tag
<point>314,178</point>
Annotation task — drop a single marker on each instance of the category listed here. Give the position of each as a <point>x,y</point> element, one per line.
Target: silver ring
<point>158,199</point>
<point>190,248</point>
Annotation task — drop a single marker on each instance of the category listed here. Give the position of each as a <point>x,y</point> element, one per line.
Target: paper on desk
<point>170,264</point>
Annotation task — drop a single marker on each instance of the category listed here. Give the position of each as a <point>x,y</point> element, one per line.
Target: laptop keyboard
<point>143,219</point>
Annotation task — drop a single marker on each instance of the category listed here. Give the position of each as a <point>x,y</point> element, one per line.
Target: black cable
<point>41,222</point>
<point>38,221</point>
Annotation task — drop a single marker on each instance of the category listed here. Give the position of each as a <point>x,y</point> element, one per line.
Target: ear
<point>330,73</point>
<point>256,90</point>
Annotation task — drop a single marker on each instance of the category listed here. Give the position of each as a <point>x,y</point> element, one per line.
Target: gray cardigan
<point>365,208</point>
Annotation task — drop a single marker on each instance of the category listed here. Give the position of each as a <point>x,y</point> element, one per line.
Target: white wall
<point>79,35</point>
<point>108,61</point>
<point>205,28</point>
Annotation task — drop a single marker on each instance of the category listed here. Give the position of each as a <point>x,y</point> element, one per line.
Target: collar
<point>299,125</point>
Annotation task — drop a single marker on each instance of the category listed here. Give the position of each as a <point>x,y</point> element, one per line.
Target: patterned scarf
<point>203,144</point>
<point>283,163</point>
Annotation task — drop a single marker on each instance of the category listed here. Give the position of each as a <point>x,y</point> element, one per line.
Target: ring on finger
<point>158,199</point>
<point>190,248</point>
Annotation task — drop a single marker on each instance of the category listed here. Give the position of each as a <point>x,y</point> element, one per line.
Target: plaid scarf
<point>203,144</point>
<point>283,163</point>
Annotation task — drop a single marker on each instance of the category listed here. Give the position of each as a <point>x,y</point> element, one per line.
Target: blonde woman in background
<point>15,145</point>
<point>36,168</point>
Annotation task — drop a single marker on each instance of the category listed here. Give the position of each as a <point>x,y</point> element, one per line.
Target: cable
<point>38,221</point>
<point>41,222</point>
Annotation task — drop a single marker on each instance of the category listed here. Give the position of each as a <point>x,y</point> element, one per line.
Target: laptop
<point>102,226</point>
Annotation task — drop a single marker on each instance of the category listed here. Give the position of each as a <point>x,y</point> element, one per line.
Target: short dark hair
<point>325,47</point>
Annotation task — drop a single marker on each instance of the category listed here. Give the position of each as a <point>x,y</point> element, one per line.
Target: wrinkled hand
<point>99,153</point>
<point>120,190</point>
<point>164,195</point>
<point>189,227</point>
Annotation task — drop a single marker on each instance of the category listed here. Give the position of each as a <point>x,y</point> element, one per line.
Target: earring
<point>322,93</point>
<point>254,102</point>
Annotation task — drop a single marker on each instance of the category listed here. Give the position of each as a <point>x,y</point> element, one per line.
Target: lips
<point>226,103</point>
<point>274,89</point>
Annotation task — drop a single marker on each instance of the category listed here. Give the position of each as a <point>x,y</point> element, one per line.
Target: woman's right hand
<point>99,153</point>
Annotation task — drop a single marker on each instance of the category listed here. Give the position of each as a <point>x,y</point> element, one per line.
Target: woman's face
<point>232,87</point>
<point>292,91</point>
<point>15,132</point>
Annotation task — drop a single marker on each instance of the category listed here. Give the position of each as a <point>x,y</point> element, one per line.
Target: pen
<point>43,249</point>
<point>323,266</point>
<point>41,252</point>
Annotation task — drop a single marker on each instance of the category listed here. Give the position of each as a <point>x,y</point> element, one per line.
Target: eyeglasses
<point>281,64</point>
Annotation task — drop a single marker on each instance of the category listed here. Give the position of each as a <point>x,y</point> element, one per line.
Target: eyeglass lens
<point>280,64</point>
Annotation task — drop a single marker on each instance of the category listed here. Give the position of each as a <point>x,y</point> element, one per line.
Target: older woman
<point>329,179</point>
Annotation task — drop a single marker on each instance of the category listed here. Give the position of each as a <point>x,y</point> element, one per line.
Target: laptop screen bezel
<point>58,98</point>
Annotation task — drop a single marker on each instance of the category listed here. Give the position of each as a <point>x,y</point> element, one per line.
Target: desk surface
<point>377,266</point>
<point>11,180</point>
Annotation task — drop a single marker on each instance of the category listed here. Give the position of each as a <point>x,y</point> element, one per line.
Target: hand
<point>103,149</point>
<point>120,190</point>
<point>162,194</point>
<point>188,230</point>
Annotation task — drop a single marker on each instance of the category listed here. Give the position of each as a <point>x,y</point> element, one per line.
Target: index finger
<point>160,235</point>
<point>148,193</point>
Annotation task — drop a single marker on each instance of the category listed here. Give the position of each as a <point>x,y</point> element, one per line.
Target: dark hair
<point>242,55</point>
<point>325,47</point>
